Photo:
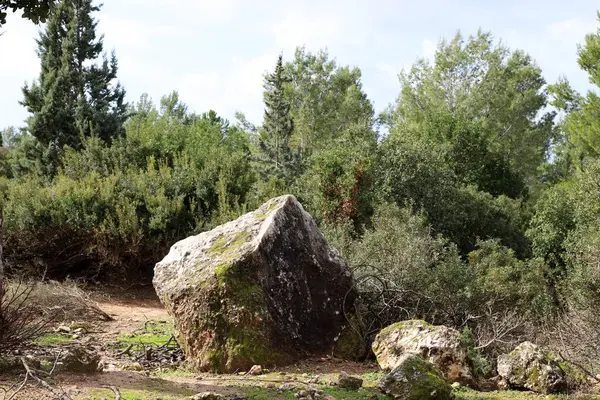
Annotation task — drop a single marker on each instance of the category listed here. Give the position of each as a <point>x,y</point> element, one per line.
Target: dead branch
<point>59,395</point>
<point>20,387</point>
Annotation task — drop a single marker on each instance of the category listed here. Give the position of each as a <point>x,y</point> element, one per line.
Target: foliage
<point>581,126</point>
<point>122,205</point>
<point>413,171</point>
<point>274,143</point>
<point>338,185</point>
<point>325,100</point>
<point>477,80</point>
<point>35,10</point>
<point>74,96</point>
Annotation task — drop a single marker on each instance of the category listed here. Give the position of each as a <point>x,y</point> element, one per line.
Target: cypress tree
<point>276,156</point>
<point>75,96</point>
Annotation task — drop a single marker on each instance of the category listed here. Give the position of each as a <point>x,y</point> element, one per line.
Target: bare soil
<point>131,310</point>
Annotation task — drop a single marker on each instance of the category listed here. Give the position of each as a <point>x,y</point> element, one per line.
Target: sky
<point>215,53</point>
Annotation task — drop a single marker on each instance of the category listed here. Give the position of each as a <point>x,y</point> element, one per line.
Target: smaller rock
<point>207,396</point>
<point>329,397</point>
<point>440,345</point>
<point>456,385</point>
<point>346,381</point>
<point>271,385</point>
<point>63,328</point>
<point>79,360</point>
<point>415,379</point>
<point>255,370</point>
<point>136,366</point>
<point>528,367</point>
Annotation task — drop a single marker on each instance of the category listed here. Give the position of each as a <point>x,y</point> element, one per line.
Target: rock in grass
<point>263,289</point>
<point>440,345</point>
<point>78,359</point>
<point>255,370</point>
<point>207,396</point>
<point>528,367</point>
<point>346,381</point>
<point>414,378</point>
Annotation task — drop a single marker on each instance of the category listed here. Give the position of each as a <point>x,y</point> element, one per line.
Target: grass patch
<point>129,394</point>
<point>470,394</point>
<point>153,333</point>
<point>360,394</point>
<point>175,373</point>
<point>257,393</point>
<point>52,339</point>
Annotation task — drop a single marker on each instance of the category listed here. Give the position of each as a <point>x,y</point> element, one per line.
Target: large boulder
<point>414,378</point>
<point>528,367</point>
<point>263,289</point>
<point>440,345</point>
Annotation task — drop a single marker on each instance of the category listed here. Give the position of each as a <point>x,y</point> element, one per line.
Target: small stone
<point>63,328</point>
<point>136,366</point>
<point>255,370</point>
<point>456,385</point>
<point>329,397</point>
<point>346,381</point>
<point>207,396</point>
<point>271,385</point>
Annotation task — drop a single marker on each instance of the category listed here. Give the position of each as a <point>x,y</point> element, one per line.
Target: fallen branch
<point>126,351</point>
<point>59,395</point>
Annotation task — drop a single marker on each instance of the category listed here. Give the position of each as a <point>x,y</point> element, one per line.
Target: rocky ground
<point>141,360</point>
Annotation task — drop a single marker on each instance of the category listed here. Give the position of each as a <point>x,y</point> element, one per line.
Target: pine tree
<point>276,156</point>
<point>75,96</point>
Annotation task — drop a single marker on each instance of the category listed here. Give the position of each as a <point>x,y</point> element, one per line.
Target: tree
<point>476,80</point>
<point>274,143</point>
<point>325,99</point>
<point>581,128</point>
<point>74,96</point>
<point>338,182</point>
<point>35,10</point>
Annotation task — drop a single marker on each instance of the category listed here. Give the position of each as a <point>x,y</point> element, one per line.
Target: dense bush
<point>117,208</point>
<point>405,271</point>
<point>414,171</point>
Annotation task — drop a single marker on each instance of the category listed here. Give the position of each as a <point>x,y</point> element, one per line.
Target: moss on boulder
<point>263,289</point>
<point>414,378</point>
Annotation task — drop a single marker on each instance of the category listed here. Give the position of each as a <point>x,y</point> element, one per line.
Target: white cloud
<point>302,27</point>
<point>572,30</point>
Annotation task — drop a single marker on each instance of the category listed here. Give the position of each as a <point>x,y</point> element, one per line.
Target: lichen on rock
<point>440,345</point>
<point>262,289</point>
<point>529,367</point>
